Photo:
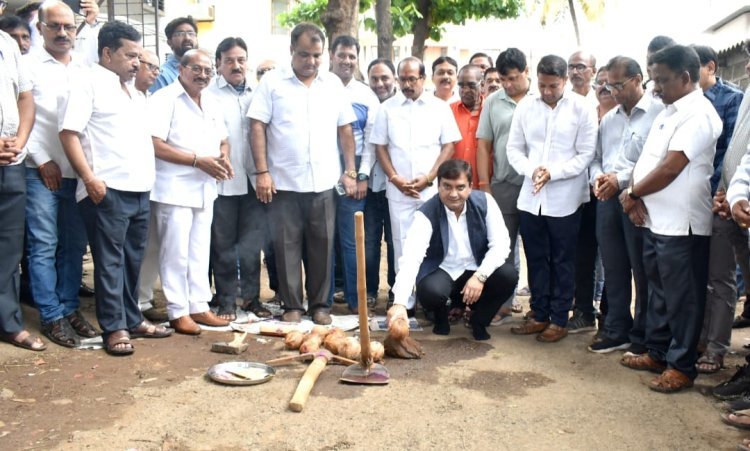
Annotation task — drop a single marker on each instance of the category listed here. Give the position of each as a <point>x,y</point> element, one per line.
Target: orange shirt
<point>466,149</point>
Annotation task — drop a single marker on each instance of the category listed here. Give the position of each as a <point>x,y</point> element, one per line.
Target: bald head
<point>581,69</point>
<point>57,26</point>
<point>148,70</point>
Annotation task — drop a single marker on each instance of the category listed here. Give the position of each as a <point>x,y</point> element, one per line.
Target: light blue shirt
<point>169,73</point>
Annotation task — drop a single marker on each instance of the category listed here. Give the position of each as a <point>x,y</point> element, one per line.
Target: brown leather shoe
<point>208,318</point>
<point>530,326</point>
<point>321,317</point>
<point>552,333</point>
<point>292,316</point>
<point>643,362</point>
<point>185,325</point>
<point>670,381</point>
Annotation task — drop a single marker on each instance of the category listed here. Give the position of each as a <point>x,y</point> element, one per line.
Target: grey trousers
<point>297,220</point>
<point>13,213</point>
<point>506,196</point>
<point>238,233</point>
<point>729,247</point>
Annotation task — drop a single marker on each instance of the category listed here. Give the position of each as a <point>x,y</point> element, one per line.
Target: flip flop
<point>29,342</point>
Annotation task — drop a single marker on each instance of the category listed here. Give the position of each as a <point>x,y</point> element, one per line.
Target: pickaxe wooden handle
<point>308,381</point>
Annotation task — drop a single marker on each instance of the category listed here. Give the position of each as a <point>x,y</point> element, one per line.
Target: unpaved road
<point>508,393</point>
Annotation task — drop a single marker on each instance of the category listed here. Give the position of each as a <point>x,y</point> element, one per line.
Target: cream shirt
<point>234,109</point>
<point>692,126</point>
<point>113,127</point>
<point>302,128</point>
<point>182,124</point>
<point>563,140</point>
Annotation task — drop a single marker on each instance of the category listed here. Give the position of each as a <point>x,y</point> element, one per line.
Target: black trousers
<point>117,229</point>
<point>586,260</point>
<point>238,232</point>
<point>434,290</point>
<point>303,220</point>
<point>12,216</point>
<point>677,271</point>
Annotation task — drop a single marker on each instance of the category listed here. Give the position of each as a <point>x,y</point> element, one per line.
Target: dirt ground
<point>510,392</point>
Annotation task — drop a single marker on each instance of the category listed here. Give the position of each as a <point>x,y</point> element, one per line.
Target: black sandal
<point>61,332</point>
<point>115,338</point>
<point>81,325</point>
<point>257,309</point>
<point>228,313</point>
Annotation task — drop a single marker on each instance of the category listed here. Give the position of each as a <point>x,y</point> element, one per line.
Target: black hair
<point>388,63</point>
<point>8,23</point>
<point>660,42</point>
<point>345,41</point>
<point>172,26</point>
<point>315,33</point>
<point>412,59</point>
<point>112,34</point>
<point>228,44</point>
<point>491,70</point>
<point>679,59</point>
<point>706,54</point>
<point>511,58</point>
<point>629,65</point>
<point>25,11</point>
<point>444,59</point>
<point>452,170</point>
<point>482,55</point>
<point>552,65</point>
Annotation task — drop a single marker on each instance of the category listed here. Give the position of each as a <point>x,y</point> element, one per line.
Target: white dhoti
<point>402,215</point>
<point>150,265</point>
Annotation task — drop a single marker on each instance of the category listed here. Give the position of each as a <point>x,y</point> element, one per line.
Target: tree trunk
<point>575,21</point>
<point>421,29</point>
<point>385,29</point>
<point>341,17</point>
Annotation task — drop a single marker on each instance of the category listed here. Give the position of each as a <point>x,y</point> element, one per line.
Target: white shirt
<point>459,257</point>
<point>563,140</point>
<point>692,126</point>
<point>234,109</point>
<point>113,127</point>
<point>51,80</point>
<point>302,132</point>
<point>365,105</point>
<point>414,132</point>
<point>739,186</point>
<point>621,139</point>
<point>14,79</point>
<point>86,45</point>
<point>193,129</point>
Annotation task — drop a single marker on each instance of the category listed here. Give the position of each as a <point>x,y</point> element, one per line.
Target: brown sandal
<point>670,381</point>
<point>149,330</point>
<point>115,338</point>
<point>81,325</point>
<point>28,341</point>
<point>712,362</point>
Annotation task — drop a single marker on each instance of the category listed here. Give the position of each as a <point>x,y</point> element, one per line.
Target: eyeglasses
<point>578,67</point>
<point>619,86</point>
<point>263,70</point>
<point>409,80</point>
<point>182,34</point>
<point>198,70</point>
<point>151,67</point>
<point>470,85</point>
<point>69,28</point>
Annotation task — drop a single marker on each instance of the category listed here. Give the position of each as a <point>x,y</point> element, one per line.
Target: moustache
<point>200,80</point>
<point>237,71</point>
<point>62,41</point>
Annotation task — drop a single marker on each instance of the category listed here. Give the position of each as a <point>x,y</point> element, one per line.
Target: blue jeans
<point>377,228</point>
<point>56,242</point>
<point>345,209</point>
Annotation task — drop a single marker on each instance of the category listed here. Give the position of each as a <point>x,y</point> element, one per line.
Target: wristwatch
<point>481,277</point>
<point>351,174</point>
<point>631,194</point>
<point>363,177</point>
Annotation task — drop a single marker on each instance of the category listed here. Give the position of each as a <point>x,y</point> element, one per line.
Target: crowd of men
<point>181,170</point>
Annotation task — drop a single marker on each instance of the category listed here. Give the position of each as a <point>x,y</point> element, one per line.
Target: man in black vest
<point>456,249</point>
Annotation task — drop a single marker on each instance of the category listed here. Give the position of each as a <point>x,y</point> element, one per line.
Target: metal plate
<point>221,373</point>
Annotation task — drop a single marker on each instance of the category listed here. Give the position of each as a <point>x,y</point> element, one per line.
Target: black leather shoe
<point>740,322</point>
